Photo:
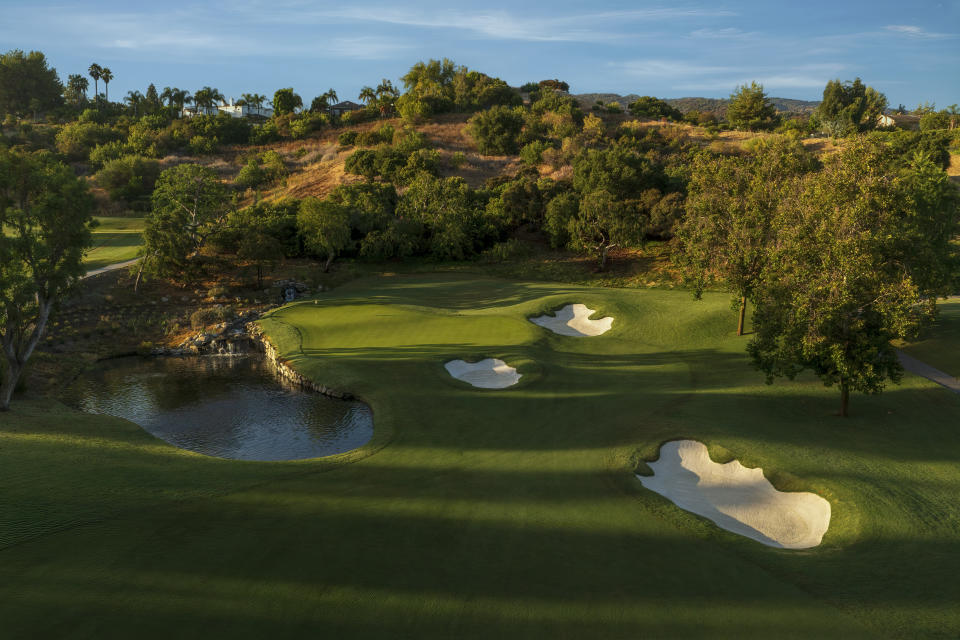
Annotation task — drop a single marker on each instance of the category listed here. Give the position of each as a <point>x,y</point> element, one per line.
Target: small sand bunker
<point>488,374</point>
<point>574,320</point>
<point>736,498</point>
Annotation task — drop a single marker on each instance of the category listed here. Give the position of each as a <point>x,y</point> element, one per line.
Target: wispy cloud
<point>914,31</point>
<point>502,25</point>
<point>729,33</point>
<point>690,76</point>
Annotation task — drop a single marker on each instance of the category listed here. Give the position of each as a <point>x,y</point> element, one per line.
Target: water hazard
<point>229,407</point>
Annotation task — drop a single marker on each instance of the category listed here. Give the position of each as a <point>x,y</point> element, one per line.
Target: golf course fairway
<point>478,513</point>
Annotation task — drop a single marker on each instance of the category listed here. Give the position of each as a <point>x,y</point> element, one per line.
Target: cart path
<point>913,365</point>
<point>110,267</point>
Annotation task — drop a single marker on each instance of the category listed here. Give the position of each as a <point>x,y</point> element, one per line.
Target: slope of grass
<point>479,513</point>
<point>114,240</point>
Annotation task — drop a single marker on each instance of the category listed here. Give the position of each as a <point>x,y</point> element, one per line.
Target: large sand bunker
<point>574,320</point>
<point>488,374</point>
<point>736,498</point>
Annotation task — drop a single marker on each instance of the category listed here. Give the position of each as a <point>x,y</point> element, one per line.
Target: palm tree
<point>367,95</point>
<point>77,86</point>
<point>253,99</point>
<point>207,97</point>
<point>95,72</point>
<point>107,76</point>
<point>135,99</point>
<point>331,96</point>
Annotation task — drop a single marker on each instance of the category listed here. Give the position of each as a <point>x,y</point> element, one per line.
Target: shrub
<point>211,315</point>
<point>265,133</point>
<point>496,130</point>
<point>347,138</point>
<point>201,145</point>
<point>532,154</point>
<point>103,153</point>
<point>130,178</point>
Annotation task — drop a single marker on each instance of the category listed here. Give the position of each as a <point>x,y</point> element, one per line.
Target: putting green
<point>478,513</point>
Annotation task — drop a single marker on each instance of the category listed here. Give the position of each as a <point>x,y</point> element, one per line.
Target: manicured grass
<point>939,346</point>
<point>114,240</point>
<point>491,513</point>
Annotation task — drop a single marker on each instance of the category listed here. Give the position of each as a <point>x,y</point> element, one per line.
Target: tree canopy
<point>849,107</point>
<point>750,109</point>
<point>857,263</point>
<point>45,211</point>
<point>188,204</point>
<point>27,84</point>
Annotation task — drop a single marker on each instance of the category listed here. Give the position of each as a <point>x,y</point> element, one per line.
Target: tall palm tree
<point>331,96</point>
<point>367,95</point>
<point>107,76</point>
<point>95,72</point>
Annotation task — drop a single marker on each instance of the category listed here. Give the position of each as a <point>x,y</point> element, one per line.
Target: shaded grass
<point>491,512</point>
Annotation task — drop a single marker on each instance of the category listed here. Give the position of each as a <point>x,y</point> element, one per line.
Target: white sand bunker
<point>488,374</point>
<point>574,320</point>
<point>736,498</point>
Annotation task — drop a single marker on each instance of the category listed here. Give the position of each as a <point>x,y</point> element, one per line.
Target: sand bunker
<point>574,320</point>
<point>736,498</point>
<point>488,374</point>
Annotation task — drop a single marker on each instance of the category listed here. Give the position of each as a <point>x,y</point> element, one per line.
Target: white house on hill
<point>234,110</point>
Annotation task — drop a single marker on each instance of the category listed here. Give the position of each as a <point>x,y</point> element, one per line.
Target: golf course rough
<point>489,373</point>
<point>574,320</point>
<point>736,498</point>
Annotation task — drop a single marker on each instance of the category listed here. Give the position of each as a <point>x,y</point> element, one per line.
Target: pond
<point>228,407</point>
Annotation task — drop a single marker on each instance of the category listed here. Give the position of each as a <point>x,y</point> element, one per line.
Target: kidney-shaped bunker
<point>736,498</point>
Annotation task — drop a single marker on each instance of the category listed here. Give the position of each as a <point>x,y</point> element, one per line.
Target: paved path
<point>110,267</point>
<point>913,365</point>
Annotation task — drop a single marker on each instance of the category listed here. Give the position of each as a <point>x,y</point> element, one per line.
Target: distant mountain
<point>717,105</point>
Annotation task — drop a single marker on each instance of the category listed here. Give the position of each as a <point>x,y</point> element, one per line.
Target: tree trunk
<point>9,384</point>
<point>326,267</point>
<point>603,257</point>
<point>743,314</point>
<point>844,398</point>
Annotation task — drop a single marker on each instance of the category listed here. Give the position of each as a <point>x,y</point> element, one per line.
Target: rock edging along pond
<point>260,340</point>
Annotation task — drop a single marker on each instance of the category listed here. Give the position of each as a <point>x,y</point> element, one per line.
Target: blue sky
<point>910,51</point>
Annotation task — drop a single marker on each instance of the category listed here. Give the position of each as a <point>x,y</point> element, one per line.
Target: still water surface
<point>229,407</point>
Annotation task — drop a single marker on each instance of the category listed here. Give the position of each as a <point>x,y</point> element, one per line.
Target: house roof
<point>347,105</point>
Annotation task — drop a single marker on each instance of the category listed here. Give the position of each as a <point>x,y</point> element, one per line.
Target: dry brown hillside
<point>316,163</point>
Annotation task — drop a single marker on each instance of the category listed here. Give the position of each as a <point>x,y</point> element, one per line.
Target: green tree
<point>95,71</point>
<point>129,178</point>
<point>650,107</point>
<point>853,269</point>
<point>603,223</point>
<point>731,218</point>
<point>76,90</point>
<point>188,204</point>
<point>175,97</point>
<point>106,75</point>
<point>27,84</point>
<point>286,101</point>
<point>497,130</point>
<point>451,213</point>
<point>325,227</point>
<point>45,211</point>
<point>750,108</point>
<point>135,100</point>
<point>207,97</point>
<point>367,95</point>
<point>849,107</point>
